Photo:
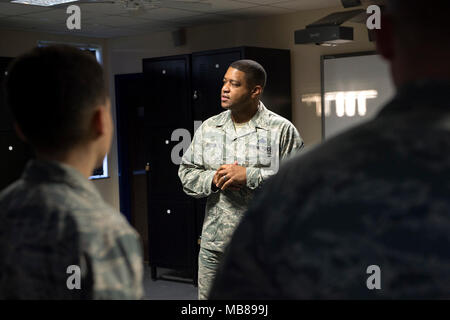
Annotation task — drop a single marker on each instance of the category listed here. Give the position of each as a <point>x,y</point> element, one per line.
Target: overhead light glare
<point>43,3</point>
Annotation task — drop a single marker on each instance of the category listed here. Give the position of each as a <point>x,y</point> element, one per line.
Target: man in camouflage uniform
<point>58,238</point>
<point>366,215</point>
<point>231,155</point>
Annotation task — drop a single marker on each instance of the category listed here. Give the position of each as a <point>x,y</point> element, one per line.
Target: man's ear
<point>19,132</point>
<point>385,38</point>
<point>257,91</point>
<point>99,121</point>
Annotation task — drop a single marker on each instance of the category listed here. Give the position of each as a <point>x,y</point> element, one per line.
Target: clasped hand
<point>230,176</point>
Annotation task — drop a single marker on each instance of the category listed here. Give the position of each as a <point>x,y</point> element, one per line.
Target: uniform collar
<point>46,171</point>
<point>257,121</point>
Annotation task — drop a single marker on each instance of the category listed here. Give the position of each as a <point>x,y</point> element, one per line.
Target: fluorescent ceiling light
<point>42,3</point>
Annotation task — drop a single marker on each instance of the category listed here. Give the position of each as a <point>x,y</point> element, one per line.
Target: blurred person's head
<point>415,39</point>
<point>59,102</point>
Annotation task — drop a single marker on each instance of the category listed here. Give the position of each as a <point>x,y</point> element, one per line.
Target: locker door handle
<point>195,95</point>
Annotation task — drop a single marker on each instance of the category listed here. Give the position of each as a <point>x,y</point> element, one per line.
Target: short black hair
<point>52,93</point>
<point>255,73</point>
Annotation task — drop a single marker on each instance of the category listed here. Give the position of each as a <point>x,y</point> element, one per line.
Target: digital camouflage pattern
<point>268,139</point>
<point>53,217</point>
<point>216,143</point>
<point>209,260</point>
<point>378,194</point>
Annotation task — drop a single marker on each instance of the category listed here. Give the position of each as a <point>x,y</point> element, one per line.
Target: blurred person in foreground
<point>58,238</point>
<point>365,215</point>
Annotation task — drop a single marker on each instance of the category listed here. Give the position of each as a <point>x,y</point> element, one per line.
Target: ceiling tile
<point>102,8</point>
<point>20,23</point>
<point>56,16</point>
<point>119,21</point>
<point>149,29</point>
<point>12,9</point>
<point>258,11</point>
<point>113,33</point>
<point>149,25</point>
<point>106,19</point>
<point>224,5</point>
<point>165,14</point>
<point>307,4</point>
<point>262,2</point>
<point>204,19</point>
<point>90,15</point>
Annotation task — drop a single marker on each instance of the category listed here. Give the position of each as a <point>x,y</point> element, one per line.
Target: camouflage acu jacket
<point>269,139</point>
<point>53,218</point>
<point>377,195</point>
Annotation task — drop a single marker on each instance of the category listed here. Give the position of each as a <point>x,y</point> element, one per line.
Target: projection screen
<point>354,89</point>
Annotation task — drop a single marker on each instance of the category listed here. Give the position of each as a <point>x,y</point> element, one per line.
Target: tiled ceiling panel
<point>55,16</point>
<point>224,5</point>
<point>112,19</point>
<point>258,11</point>
<point>162,14</point>
<point>307,4</point>
<point>7,8</point>
<point>205,19</point>
<point>263,2</point>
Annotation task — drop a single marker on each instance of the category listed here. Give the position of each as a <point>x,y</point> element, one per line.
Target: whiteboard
<point>354,89</point>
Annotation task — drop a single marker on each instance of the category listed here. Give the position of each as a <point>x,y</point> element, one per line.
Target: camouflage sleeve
<point>290,143</point>
<point>116,265</point>
<point>195,178</point>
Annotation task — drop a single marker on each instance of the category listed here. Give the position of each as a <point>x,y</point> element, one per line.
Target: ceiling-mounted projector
<point>328,30</point>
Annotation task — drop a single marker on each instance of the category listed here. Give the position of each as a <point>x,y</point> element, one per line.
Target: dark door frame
<point>124,164</point>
